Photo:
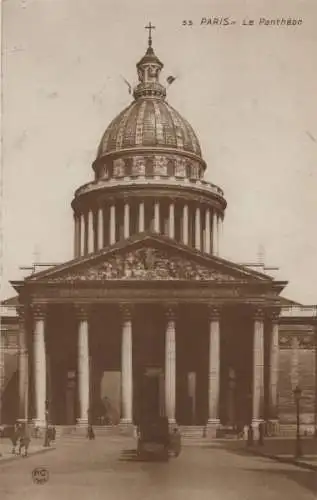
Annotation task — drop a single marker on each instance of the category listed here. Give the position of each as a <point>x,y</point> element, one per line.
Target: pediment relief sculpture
<point>146,264</point>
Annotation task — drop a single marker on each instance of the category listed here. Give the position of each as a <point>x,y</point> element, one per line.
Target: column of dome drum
<point>194,225</point>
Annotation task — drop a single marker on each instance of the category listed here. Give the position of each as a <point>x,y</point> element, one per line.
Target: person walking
<point>90,432</point>
<point>25,439</point>
<point>15,437</point>
<point>261,434</point>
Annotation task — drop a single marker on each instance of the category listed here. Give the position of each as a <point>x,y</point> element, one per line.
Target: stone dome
<point>149,122</point>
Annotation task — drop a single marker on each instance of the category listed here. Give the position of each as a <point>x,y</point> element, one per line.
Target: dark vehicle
<point>153,438</point>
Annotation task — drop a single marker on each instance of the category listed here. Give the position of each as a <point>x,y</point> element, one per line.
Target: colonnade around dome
<point>189,223</point>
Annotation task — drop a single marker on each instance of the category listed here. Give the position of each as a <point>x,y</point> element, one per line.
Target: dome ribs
<point>128,139</point>
<point>170,128</point>
<point>194,144</point>
<point>158,123</point>
<point>149,122</point>
<point>122,128</point>
<point>149,129</point>
<point>179,129</point>
<point>112,139</point>
<point>139,124</point>
<point>167,123</point>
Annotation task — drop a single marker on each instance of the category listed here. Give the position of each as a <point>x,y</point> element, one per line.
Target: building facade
<point>148,318</point>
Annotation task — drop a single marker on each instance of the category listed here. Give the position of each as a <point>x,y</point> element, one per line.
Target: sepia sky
<point>248,91</point>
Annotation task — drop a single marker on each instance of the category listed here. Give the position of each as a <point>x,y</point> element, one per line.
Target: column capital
<point>170,312</point>
<point>258,314</point>
<point>274,316</point>
<point>81,311</point>
<point>21,311</point>
<point>214,312</point>
<point>126,311</point>
<point>39,311</point>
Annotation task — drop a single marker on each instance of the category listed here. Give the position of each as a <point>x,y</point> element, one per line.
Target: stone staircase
<point>73,432</point>
<point>192,431</point>
<point>193,434</point>
<point>190,434</point>
<point>289,430</point>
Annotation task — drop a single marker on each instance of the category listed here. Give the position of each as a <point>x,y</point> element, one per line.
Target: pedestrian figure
<point>53,433</point>
<point>250,436</point>
<point>47,437</point>
<point>245,433</point>
<point>175,442</point>
<point>261,434</point>
<point>90,433</point>
<point>25,440</point>
<point>15,437</point>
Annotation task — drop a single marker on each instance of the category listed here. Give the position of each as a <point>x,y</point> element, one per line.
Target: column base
<point>37,422</point>
<point>212,427</point>
<point>126,427</point>
<point>126,421</point>
<point>82,422</point>
<point>255,427</point>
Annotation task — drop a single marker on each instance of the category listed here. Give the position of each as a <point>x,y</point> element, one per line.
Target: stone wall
<point>297,366</point>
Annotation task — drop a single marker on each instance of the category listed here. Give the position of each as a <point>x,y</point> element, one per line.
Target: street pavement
<point>107,469</point>
<point>281,449</point>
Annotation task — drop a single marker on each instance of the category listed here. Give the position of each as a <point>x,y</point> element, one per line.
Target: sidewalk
<point>283,450</point>
<point>36,447</point>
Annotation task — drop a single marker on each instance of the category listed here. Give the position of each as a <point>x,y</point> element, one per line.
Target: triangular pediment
<point>148,257</point>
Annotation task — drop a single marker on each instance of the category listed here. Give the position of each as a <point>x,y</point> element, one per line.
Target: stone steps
<point>289,430</point>
<point>77,432</point>
<point>192,431</point>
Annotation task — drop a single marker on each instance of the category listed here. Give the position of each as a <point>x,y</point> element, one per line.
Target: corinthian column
<point>197,229</point>
<point>126,367</point>
<point>90,231</point>
<point>76,235</point>
<point>171,225</point>
<point>215,233</point>
<point>112,235</point>
<point>100,230</point>
<point>157,217</point>
<point>207,231</point>
<point>258,368</point>
<point>83,365</point>
<point>214,371</point>
<point>274,368</point>
<point>170,366</point>
<point>39,364</point>
<point>141,217</point>
<point>126,221</point>
<point>23,366</point>
<point>82,235</point>
<point>185,224</point>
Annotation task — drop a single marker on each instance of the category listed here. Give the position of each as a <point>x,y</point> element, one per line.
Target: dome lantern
<point>149,69</point>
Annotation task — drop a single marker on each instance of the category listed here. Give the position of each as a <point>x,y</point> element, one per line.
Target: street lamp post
<point>46,438</point>
<point>297,396</point>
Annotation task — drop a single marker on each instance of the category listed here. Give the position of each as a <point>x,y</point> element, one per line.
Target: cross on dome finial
<point>149,68</point>
<point>150,27</point>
